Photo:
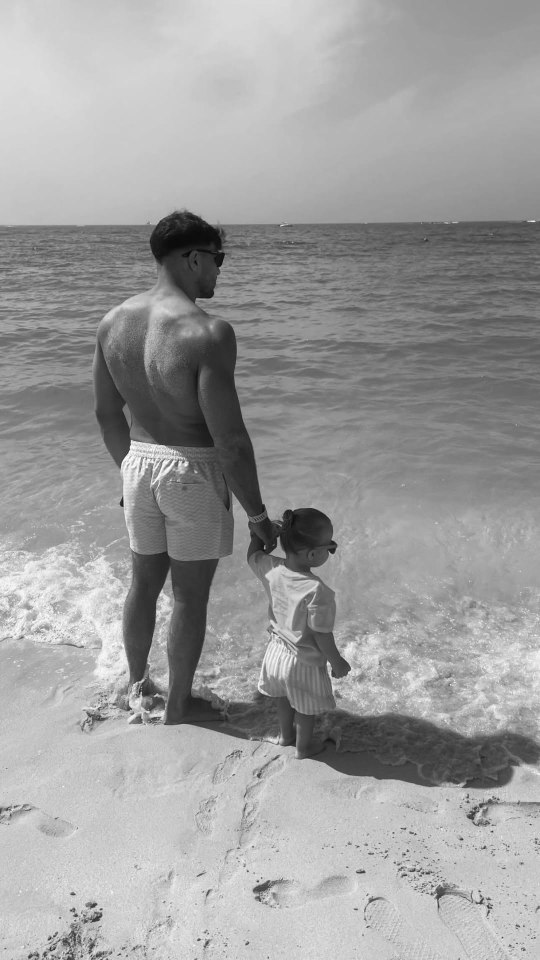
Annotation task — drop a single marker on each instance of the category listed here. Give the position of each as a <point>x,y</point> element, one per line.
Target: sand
<point>196,842</point>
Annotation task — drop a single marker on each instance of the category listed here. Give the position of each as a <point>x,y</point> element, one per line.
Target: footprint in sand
<point>228,767</point>
<point>206,815</point>
<point>251,804</point>
<point>289,893</point>
<point>465,920</point>
<point>350,789</point>
<point>57,694</point>
<point>250,809</point>
<point>498,811</point>
<point>26,813</point>
<point>385,918</point>
<point>161,924</point>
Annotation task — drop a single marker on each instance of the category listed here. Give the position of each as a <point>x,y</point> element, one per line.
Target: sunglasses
<point>331,547</point>
<point>218,257</point>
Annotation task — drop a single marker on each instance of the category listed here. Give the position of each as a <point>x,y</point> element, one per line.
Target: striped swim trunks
<point>307,686</point>
<point>176,501</point>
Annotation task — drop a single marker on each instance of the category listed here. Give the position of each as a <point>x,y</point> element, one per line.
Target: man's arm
<point>109,409</point>
<point>220,406</point>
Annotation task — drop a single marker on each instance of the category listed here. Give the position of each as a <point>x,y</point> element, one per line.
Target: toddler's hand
<point>266,532</point>
<point>340,668</point>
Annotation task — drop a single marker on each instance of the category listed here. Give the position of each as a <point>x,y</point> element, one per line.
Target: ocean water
<point>388,375</point>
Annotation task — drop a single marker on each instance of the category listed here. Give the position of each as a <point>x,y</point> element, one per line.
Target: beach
<point>139,840</point>
<point>371,284</point>
<point>393,384</point>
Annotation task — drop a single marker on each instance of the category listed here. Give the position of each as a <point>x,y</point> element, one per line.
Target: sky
<point>259,111</point>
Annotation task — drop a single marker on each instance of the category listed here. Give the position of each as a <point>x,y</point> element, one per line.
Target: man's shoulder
<point>216,329</point>
<point>120,312</point>
<point>189,320</point>
<point>107,321</point>
<point>216,342</point>
<point>206,340</point>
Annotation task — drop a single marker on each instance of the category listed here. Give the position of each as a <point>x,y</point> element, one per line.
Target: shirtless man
<point>172,365</point>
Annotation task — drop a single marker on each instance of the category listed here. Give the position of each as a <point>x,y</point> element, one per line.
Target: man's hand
<point>267,531</point>
<point>340,668</point>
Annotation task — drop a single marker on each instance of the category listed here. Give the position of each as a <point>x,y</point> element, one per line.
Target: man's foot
<point>135,689</point>
<point>145,694</point>
<point>194,710</point>
<point>313,748</point>
<point>286,741</point>
<point>140,688</point>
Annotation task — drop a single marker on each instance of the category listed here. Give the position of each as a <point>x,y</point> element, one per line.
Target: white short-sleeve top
<point>299,605</point>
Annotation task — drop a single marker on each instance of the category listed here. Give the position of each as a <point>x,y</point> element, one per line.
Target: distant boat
<point>285,224</point>
<point>530,221</point>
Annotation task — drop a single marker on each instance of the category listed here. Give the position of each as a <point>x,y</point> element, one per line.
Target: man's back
<point>152,345</point>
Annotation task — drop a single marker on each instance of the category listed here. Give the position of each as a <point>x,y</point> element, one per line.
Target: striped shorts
<point>307,686</point>
<point>176,501</point>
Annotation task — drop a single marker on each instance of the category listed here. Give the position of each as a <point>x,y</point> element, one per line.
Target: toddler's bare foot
<point>286,741</point>
<point>311,750</point>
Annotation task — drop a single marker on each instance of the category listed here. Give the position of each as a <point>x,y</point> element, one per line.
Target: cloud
<point>431,46</point>
<point>246,109</point>
<point>279,53</point>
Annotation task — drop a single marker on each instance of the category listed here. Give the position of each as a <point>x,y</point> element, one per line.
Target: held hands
<point>267,531</point>
<point>340,668</point>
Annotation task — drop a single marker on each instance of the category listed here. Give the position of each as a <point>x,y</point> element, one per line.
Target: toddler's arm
<point>255,544</point>
<point>327,646</point>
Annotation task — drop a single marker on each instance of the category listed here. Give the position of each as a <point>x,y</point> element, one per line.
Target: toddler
<point>302,612</point>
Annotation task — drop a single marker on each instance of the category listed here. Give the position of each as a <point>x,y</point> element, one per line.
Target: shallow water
<point>389,380</point>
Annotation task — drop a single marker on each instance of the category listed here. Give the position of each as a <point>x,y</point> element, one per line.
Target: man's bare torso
<point>152,345</point>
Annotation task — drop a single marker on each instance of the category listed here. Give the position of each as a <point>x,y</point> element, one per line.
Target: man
<point>172,365</point>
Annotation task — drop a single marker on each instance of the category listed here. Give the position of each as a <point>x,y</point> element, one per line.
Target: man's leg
<point>149,575</point>
<point>191,581</point>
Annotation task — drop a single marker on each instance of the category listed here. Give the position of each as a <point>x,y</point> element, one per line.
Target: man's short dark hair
<point>183,229</point>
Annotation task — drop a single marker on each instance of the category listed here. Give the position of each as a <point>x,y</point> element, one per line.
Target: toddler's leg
<point>305,745</point>
<point>286,722</point>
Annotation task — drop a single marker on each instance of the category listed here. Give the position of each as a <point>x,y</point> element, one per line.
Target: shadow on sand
<point>399,747</point>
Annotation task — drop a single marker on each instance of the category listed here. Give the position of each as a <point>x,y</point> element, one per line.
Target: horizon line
<point>274,223</point>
